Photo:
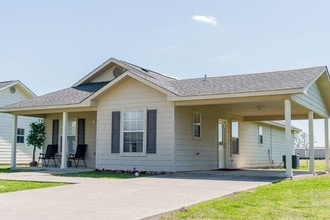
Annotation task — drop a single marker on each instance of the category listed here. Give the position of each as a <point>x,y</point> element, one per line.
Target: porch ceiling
<point>255,108</point>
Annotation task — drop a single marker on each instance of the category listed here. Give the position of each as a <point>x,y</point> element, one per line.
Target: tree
<point>301,140</point>
<point>36,138</point>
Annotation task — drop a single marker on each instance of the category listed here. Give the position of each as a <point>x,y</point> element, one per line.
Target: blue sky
<point>49,45</point>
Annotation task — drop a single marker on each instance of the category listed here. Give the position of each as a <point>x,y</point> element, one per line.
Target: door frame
<point>224,122</point>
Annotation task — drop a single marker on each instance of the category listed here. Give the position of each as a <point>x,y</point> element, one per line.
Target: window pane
<point>133,142</point>
<point>197,130</point>
<point>197,118</point>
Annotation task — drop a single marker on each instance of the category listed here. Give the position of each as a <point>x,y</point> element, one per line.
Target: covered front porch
<point>66,129</point>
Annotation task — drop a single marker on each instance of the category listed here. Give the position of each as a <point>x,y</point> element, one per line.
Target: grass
<point>6,169</point>
<point>101,174</point>
<point>318,164</point>
<point>12,186</point>
<point>297,199</point>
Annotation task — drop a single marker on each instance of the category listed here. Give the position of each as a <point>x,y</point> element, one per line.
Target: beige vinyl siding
<point>253,154</point>
<point>192,153</point>
<point>131,94</point>
<point>312,100</point>
<point>24,152</point>
<point>90,133</point>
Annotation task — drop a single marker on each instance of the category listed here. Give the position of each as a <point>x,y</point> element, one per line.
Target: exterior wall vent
<point>117,71</point>
<point>12,89</point>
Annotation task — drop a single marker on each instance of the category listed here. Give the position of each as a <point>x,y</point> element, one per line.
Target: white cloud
<point>205,19</point>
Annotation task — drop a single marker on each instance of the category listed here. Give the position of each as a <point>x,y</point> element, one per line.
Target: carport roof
<point>258,82</point>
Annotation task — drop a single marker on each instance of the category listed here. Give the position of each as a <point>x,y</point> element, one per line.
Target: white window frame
<point>20,135</point>
<point>121,141</point>
<point>197,124</point>
<point>260,135</point>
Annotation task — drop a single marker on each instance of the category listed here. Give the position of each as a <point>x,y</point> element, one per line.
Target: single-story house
<point>134,118</point>
<point>11,92</point>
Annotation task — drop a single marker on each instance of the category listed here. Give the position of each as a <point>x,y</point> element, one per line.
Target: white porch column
<point>288,138</point>
<point>64,140</point>
<point>14,143</point>
<point>311,142</point>
<point>326,135</point>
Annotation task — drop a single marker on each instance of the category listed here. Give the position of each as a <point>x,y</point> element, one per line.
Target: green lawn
<point>101,174</point>
<point>297,199</point>
<point>318,164</point>
<point>12,186</point>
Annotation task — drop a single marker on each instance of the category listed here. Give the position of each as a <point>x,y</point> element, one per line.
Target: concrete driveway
<point>135,198</point>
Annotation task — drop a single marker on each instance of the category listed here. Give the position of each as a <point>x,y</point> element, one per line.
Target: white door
<point>221,142</point>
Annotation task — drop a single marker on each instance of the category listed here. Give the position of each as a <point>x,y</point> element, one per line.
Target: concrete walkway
<point>136,198</point>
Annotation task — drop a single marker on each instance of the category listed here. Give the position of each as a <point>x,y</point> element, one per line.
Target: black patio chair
<point>79,155</point>
<point>48,155</point>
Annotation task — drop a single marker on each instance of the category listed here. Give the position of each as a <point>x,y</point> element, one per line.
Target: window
<point>72,132</point>
<point>197,125</point>
<point>133,131</point>
<point>261,138</point>
<point>20,135</point>
<point>234,137</point>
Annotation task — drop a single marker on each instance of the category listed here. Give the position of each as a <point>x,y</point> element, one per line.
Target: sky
<point>49,45</point>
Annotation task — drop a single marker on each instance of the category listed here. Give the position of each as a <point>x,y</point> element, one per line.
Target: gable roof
<point>6,84</point>
<point>284,82</point>
<point>69,96</point>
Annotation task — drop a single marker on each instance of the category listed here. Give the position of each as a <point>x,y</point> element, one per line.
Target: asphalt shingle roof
<point>270,81</point>
<point>69,96</point>
<point>258,82</point>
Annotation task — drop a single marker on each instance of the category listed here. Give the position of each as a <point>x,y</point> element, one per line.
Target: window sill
<point>133,154</point>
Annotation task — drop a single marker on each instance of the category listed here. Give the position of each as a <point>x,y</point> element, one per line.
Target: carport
<point>301,95</point>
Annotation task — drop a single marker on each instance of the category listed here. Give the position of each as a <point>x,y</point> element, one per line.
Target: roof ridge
<point>148,70</point>
<point>258,73</point>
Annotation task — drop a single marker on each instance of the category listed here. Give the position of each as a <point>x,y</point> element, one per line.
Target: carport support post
<point>288,138</point>
<point>14,143</point>
<point>326,135</point>
<point>64,140</point>
<point>311,142</point>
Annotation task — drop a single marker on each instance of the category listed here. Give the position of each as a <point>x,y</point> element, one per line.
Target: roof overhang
<point>22,87</point>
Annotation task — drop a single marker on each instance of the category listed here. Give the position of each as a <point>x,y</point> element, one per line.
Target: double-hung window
<point>133,134</point>
<point>20,135</point>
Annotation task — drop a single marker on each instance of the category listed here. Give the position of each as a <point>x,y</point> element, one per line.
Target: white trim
<point>314,80</point>
<point>26,90</point>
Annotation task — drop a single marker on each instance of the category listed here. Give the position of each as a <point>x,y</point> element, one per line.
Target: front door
<point>221,142</point>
